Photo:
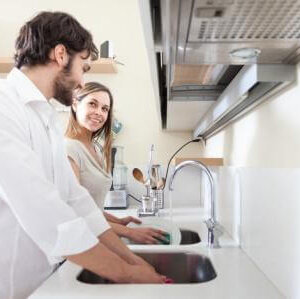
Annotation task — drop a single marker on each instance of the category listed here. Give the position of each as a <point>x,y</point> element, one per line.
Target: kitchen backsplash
<point>270,224</point>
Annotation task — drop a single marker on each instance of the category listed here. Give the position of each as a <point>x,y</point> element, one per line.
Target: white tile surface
<point>228,196</point>
<point>271,224</point>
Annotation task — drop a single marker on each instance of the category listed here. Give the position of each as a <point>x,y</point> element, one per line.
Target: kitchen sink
<point>189,237</point>
<point>182,267</point>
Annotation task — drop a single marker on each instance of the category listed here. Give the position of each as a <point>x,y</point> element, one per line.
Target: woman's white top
<point>92,176</point>
<point>44,212</point>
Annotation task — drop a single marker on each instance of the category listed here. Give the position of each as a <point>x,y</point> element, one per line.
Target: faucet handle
<point>215,230</point>
<point>214,226</point>
<point>218,229</point>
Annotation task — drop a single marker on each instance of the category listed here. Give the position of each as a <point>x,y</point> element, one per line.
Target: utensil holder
<point>159,195</point>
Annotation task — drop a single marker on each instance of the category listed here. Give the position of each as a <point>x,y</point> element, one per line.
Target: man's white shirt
<point>44,213</point>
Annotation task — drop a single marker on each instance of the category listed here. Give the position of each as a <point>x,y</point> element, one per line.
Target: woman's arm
<point>122,221</point>
<point>139,235</point>
<point>109,217</point>
<point>112,218</point>
<point>75,168</point>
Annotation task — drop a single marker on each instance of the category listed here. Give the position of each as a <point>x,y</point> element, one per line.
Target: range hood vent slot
<point>195,93</point>
<point>244,20</point>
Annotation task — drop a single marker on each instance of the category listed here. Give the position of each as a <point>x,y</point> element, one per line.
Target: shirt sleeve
<point>57,228</point>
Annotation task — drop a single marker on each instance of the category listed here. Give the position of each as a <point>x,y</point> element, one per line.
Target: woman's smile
<point>96,121</point>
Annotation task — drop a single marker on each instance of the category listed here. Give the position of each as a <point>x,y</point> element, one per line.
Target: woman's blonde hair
<point>73,127</point>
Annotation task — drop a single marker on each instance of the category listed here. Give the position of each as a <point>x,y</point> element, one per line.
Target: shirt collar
<point>30,94</point>
<point>26,89</point>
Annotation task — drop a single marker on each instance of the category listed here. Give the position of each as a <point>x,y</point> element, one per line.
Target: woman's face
<point>92,111</point>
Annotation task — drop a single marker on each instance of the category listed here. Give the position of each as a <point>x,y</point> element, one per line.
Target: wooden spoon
<point>138,175</point>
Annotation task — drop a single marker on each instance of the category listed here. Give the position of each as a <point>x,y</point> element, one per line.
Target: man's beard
<point>64,86</point>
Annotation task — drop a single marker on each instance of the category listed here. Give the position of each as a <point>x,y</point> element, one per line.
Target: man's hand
<point>147,235</point>
<point>102,261</point>
<point>128,219</point>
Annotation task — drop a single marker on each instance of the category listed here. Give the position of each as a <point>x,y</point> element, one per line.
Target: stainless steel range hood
<point>253,84</point>
<point>194,40</point>
<point>206,31</point>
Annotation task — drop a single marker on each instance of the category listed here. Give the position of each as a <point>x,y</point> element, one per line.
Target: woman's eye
<point>92,104</point>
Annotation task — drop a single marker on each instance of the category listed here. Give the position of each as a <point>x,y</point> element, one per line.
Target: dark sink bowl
<point>182,267</point>
<point>189,237</point>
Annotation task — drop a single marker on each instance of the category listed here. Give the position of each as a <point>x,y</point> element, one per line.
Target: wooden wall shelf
<point>101,66</point>
<point>104,66</point>
<point>6,64</point>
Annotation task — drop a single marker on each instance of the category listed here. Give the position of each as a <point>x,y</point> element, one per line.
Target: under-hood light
<point>245,53</point>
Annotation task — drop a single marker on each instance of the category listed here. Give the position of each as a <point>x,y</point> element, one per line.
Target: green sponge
<point>167,240</point>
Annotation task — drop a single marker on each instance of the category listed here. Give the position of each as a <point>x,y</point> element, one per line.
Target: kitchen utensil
<point>161,183</point>
<point>150,160</point>
<point>155,174</point>
<point>138,175</point>
<point>153,183</point>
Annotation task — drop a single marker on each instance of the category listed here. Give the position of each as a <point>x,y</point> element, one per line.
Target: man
<point>45,215</point>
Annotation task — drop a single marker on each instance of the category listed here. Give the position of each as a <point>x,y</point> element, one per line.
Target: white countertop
<point>237,276</point>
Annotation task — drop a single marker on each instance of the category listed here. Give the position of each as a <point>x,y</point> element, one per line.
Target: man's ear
<point>59,55</point>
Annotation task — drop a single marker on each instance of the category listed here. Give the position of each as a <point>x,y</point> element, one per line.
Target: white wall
<point>118,21</point>
<point>262,149</point>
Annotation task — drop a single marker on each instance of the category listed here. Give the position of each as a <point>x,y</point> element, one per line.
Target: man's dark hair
<point>48,29</point>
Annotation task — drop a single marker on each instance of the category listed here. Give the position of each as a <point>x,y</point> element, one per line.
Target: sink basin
<point>189,237</point>
<point>182,267</point>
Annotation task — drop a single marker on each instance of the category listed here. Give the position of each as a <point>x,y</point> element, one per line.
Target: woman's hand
<point>142,274</point>
<point>128,219</point>
<point>122,221</point>
<point>147,235</point>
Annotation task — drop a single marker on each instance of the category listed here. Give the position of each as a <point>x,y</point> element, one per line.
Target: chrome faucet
<point>214,228</point>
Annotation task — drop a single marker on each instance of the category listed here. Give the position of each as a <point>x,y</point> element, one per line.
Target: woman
<point>90,117</point>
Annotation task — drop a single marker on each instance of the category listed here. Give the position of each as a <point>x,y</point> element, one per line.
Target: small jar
<point>148,203</point>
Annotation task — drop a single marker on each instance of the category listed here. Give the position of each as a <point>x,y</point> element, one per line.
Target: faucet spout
<point>214,229</point>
